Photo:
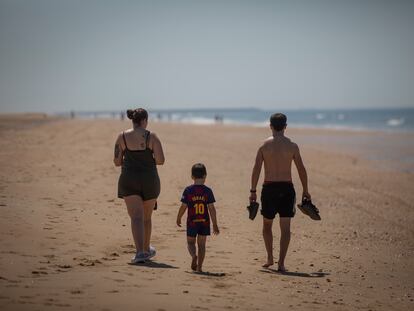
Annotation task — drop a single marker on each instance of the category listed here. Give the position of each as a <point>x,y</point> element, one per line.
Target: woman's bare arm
<point>118,151</point>
<point>157,149</point>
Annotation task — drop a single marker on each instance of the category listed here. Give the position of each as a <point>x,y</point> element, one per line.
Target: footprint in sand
<point>36,272</point>
<point>87,262</point>
<point>199,308</point>
<point>221,285</point>
<point>129,251</point>
<point>111,256</point>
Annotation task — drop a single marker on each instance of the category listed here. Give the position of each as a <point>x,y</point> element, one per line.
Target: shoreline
<point>228,123</point>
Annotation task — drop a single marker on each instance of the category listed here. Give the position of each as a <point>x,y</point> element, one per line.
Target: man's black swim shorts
<point>278,198</point>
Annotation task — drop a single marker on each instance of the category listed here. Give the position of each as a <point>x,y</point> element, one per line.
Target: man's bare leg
<point>284,241</point>
<point>268,239</point>
<point>191,246</point>
<point>201,243</point>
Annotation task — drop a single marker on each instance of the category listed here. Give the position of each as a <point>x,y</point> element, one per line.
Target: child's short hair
<point>198,170</point>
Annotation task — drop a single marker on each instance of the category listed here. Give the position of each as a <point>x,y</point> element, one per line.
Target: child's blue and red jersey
<point>197,198</point>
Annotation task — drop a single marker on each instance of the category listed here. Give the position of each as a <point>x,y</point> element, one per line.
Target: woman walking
<point>139,152</point>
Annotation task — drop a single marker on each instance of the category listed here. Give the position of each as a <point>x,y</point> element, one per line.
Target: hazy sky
<point>92,55</point>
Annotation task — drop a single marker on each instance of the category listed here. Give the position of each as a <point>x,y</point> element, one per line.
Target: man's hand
<point>179,222</point>
<point>306,194</point>
<point>253,197</point>
<point>216,229</point>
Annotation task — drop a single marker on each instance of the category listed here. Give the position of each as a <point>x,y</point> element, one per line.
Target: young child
<point>199,200</point>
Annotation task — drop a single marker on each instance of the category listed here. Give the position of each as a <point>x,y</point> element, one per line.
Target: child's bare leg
<point>191,245</point>
<point>201,243</point>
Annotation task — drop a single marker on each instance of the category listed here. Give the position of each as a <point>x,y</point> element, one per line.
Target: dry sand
<point>65,237</point>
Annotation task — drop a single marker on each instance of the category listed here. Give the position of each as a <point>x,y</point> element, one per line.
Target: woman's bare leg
<point>148,208</point>
<point>135,208</point>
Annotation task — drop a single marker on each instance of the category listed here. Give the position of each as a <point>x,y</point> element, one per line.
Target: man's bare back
<point>276,155</point>
<point>278,152</point>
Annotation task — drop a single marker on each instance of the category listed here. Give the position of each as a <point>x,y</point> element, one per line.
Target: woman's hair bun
<point>137,115</point>
<point>130,114</point>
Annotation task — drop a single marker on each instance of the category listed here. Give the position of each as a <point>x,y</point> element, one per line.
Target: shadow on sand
<point>298,274</point>
<point>153,264</point>
<point>206,273</point>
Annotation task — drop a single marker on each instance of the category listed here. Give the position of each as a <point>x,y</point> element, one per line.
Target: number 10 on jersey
<point>199,208</point>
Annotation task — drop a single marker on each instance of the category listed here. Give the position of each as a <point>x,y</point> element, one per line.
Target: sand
<point>65,239</point>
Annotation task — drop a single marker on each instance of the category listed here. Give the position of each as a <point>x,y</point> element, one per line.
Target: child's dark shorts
<point>278,198</point>
<point>198,228</point>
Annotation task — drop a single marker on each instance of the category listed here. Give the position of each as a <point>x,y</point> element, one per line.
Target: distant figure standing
<point>139,152</point>
<point>278,193</point>
<point>218,118</point>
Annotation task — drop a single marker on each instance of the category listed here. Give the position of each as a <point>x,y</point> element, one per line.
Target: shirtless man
<point>278,193</point>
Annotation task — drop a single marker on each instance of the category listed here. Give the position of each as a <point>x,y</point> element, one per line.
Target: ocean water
<point>370,119</point>
<point>356,119</point>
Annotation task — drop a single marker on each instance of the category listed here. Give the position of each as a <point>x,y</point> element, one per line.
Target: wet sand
<point>65,237</point>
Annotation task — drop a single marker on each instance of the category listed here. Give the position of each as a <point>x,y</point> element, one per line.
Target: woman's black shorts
<point>144,184</point>
<point>278,198</point>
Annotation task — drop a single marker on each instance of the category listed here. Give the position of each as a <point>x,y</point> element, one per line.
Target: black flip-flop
<point>253,208</point>
<point>309,209</point>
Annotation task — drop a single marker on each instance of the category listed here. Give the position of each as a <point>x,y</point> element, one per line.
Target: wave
<point>395,122</point>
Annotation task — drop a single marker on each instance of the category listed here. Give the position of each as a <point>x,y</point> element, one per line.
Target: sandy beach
<point>65,238</point>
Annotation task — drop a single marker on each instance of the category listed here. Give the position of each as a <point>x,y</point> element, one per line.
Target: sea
<point>390,119</point>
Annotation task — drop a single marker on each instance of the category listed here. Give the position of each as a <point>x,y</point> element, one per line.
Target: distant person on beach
<point>218,118</point>
<point>278,194</point>
<point>198,200</point>
<point>139,152</point>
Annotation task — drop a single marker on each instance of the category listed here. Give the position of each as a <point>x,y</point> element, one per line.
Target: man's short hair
<point>278,121</point>
<point>198,170</point>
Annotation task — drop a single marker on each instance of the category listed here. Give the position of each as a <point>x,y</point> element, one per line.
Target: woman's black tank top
<point>139,160</point>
